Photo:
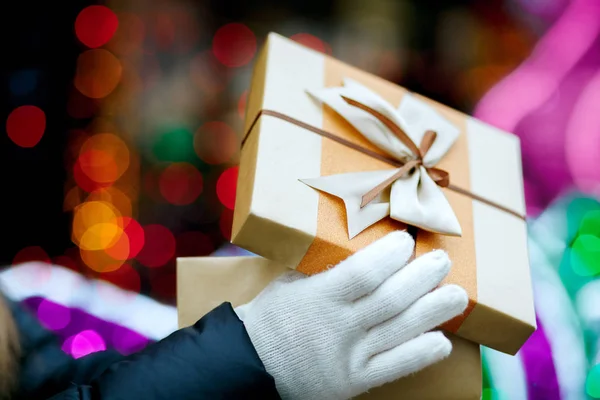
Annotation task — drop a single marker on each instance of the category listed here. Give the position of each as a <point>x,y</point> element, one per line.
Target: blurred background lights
<point>84,343</point>
<point>25,125</point>
<point>585,255</point>
<point>95,169</point>
<point>234,45</point>
<point>52,315</point>
<point>159,246</point>
<point>130,242</point>
<point>590,224</point>
<point>216,143</point>
<point>592,384</point>
<point>100,236</point>
<point>175,144</point>
<point>100,260</point>
<point>111,145</point>
<point>98,73</point>
<point>96,25</point>
<point>24,82</point>
<point>226,185</point>
<point>89,214</point>
<point>180,183</point>
<point>113,196</point>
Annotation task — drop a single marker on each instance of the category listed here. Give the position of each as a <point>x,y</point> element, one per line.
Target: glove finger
<point>409,357</point>
<point>403,288</point>
<point>365,270</point>
<point>425,314</point>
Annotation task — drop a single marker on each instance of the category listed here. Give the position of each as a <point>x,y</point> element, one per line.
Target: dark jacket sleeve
<point>213,359</point>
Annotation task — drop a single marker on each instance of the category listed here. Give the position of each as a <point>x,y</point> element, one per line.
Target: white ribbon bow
<point>414,198</point>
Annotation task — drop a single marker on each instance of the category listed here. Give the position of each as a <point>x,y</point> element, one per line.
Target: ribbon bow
<point>411,193</point>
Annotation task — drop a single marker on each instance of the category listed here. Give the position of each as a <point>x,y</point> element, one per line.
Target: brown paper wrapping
<point>205,282</point>
<point>311,254</point>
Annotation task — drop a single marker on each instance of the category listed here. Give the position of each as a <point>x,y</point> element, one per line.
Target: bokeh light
<point>84,343</point>
<point>100,236</point>
<point>193,244</point>
<point>234,45</point>
<point>585,255</point>
<point>592,384</point>
<point>115,197</point>
<point>53,316</point>
<point>130,243</point>
<point>180,183</point>
<point>89,214</point>
<point>95,25</point>
<point>95,169</point>
<point>312,42</point>
<point>111,145</point>
<point>226,185</point>
<point>216,143</point>
<point>159,246</point>
<point>24,82</point>
<point>100,260</point>
<point>590,224</point>
<point>175,145</point>
<point>98,73</point>
<point>25,125</point>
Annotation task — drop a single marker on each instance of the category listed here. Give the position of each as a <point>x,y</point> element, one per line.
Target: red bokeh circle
<point>96,25</point>
<point>159,246</point>
<point>226,185</point>
<point>25,125</point>
<point>234,45</point>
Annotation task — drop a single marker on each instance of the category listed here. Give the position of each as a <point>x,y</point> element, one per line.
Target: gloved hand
<point>356,326</point>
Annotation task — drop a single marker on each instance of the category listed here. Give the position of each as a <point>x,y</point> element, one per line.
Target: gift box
<point>205,282</point>
<point>333,158</point>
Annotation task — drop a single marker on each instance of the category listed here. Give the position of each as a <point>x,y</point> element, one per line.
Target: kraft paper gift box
<point>322,143</point>
<point>203,283</point>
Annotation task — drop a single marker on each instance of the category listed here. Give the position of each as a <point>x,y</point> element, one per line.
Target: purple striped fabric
<point>542,383</point>
<point>82,333</point>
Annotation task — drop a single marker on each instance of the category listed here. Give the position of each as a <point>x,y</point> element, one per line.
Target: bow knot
<point>414,191</point>
<point>439,176</point>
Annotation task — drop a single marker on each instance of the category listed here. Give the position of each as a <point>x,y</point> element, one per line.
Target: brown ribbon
<point>439,176</point>
<point>435,173</point>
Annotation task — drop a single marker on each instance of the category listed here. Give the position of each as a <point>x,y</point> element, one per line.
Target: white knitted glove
<point>359,325</point>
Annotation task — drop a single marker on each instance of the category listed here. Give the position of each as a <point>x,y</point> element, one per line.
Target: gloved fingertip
<point>456,296</point>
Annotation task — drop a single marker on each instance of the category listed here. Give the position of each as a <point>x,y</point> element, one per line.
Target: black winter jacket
<point>213,359</point>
